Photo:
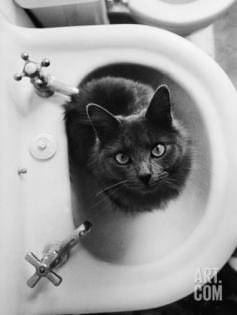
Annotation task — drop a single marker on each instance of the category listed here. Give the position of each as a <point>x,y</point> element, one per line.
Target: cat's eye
<point>158,150</point>
<point>122,158</point>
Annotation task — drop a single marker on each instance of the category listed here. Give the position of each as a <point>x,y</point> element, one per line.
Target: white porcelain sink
<point>126,263</point>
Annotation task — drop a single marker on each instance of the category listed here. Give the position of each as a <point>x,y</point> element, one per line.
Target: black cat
<point>126,135</point>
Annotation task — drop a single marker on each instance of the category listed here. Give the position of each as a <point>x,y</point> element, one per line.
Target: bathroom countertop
<point>220,41</point>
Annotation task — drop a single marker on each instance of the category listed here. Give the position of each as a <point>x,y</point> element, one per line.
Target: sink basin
<point>126,262</point>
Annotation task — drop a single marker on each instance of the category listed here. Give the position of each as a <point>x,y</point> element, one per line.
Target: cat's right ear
<point>103,122</point>
<point>159,109</point>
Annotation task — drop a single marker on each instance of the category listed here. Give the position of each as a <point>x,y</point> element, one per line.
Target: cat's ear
<point>159,109</point>
<point>103,122</point>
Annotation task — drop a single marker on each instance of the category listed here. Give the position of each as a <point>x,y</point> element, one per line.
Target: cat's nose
<point>145,178</point>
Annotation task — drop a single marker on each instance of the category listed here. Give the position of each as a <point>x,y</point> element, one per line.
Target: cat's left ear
<point>104,123</point>
<point>159,109</point>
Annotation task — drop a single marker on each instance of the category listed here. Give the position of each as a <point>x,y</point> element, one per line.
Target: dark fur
<point>141,119</point>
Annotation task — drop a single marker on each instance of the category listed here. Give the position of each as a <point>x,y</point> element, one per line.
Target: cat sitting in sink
<point>125,134</point>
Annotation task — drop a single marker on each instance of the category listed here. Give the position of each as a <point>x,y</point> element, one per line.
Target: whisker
<point>104,198</point>
<point>84,121</point>
<point>173,184</point>
<point>112,186</point>
<point>111,147</point>
<point>98,202</point>
<point>92,162</point>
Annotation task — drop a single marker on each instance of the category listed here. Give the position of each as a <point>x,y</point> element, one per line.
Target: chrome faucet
<point>45,84</point>
<point>54,255</point>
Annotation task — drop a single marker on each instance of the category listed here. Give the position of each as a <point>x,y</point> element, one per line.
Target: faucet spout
<point>45,84</point>
<point>60,87</point>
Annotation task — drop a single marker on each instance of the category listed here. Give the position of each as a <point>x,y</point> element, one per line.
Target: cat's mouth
<point>149,187</point>
<point>133,187</point>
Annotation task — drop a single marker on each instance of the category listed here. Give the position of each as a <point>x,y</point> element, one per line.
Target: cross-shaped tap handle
<point>55,255</point>
<point>33,70</point>
<point>45,84</point>
<point>43,269</point>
